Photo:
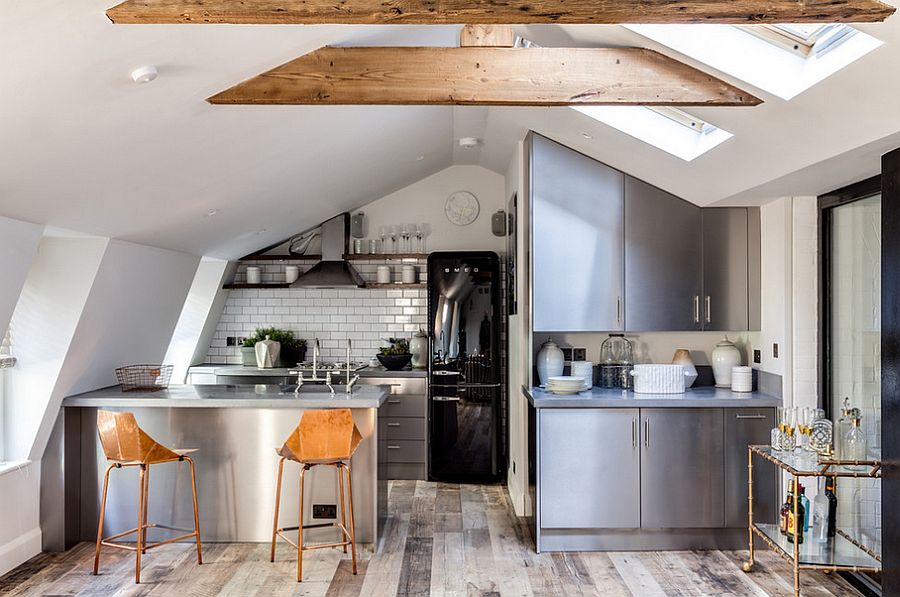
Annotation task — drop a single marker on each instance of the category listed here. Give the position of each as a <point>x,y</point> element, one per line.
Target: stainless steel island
<point>615,470</point>
<point>236,430</point>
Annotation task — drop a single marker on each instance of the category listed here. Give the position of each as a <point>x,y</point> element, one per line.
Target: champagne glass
<point>790,424</point>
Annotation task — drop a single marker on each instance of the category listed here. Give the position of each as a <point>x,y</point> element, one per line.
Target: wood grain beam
<point>486,76</point>
<point>491,12</point>
<point>498,36</point>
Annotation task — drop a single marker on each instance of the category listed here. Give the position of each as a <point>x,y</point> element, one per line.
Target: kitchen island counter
<point>702,397</point>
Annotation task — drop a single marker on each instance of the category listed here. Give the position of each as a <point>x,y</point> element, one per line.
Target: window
<point>669,129</point>
<point>784,60</point>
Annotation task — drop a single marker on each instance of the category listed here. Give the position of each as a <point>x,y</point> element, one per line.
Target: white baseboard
<point>20,550</point>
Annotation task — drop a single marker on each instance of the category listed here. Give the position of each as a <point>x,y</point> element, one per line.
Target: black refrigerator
<point>465,372</point>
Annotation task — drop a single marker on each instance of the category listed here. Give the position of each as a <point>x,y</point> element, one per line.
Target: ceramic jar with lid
<point>725,356</point>
<point>267,352</point>
<point>418,346</point>
<point>550,361</point>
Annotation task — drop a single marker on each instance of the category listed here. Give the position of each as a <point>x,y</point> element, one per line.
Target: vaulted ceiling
<point>85,148</point>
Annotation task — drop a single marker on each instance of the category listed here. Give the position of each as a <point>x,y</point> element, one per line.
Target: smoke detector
<point>144,74</point>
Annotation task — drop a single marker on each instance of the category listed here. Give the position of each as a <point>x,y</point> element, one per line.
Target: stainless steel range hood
<point>333,271</point>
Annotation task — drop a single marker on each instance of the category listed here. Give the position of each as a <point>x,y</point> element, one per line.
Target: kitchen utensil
<point>659,379</point>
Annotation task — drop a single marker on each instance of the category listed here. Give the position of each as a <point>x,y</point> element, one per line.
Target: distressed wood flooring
<point>441,539</point>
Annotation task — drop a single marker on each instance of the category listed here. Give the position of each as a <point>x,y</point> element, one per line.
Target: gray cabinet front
<point>663,280</point>
<point>744,427</point>
<point>726,291</point>
<point>577,239</point>
<point>589,469</point>
<point>682,466</point>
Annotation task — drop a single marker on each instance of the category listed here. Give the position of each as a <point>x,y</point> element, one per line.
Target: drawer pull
<point>393,424</point>
<point>750,417</point>
<point>393,402</point>
<point>393,447</point>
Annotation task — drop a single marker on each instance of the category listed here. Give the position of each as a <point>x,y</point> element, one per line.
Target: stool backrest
<point>323,436</point>
<point>124,441</point>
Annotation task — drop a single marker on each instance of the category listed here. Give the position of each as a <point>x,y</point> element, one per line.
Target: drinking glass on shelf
<point>790,427</point>
<point>420,235</point>
<point>404,235</point>
<point>383,233</point>
<point>392,232</point>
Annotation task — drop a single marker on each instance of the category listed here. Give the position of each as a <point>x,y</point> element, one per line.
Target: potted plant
<point>293,350</point>
<point>396,356</point>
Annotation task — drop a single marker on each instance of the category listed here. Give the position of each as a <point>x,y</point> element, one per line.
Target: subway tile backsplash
<point>332,315</point>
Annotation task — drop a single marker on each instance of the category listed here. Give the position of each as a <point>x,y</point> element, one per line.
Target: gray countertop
<point>704,397</point>
<point>243,371</point>
<point>244,396</point>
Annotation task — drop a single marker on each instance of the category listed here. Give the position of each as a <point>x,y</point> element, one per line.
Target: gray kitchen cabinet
<point>726,274</point>
<point>589,469</point>
<point>403,430</point>
<point>744,427</point>
<point>663,260</point>
<point>578,244</point>
<point>682,464</point>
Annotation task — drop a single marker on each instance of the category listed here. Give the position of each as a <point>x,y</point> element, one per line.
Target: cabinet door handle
<point>393,447</point>
<point>708,309</point>
<point>393,424</point>
<point>696,309</point>
<point>634,424</point>
<point>750,417</point>
<point>618,309</point>
<point>393,402</point>
<point>646,433</point>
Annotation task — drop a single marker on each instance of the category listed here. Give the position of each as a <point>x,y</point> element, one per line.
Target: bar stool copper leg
<point>340,474</point>
<point>100,524</point>
<point>146,504</point>
<point>303,470</point>
<point>140,531</point>
<point>196,511</point>
<point>352,525</point>
<point>277,506</point>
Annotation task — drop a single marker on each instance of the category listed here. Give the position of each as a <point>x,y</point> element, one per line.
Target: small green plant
<point>399,346</point>
<point>285,337</point>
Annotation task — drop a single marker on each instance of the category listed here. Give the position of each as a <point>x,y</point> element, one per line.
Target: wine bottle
<point>832,505</point>
<point>795,520</point>
<point>820,514</point>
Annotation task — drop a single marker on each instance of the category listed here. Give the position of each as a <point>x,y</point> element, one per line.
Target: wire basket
<point>144,378</point>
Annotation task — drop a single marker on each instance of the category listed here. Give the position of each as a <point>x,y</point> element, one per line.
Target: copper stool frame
<point>348,535</point>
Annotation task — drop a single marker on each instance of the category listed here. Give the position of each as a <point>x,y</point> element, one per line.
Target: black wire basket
<point>144,378</point>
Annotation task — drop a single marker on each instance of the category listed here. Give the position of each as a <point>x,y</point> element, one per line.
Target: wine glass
<point>383,233</point>
<point>790,424</point>
<point>420,235</point>
<point>404,235</point>
<point>392,232</point>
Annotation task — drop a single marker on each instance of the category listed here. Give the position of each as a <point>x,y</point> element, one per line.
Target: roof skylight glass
<point>669,129</point>
<point>784,60</point>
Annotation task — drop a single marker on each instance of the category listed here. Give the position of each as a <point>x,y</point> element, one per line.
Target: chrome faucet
<point>315,352</point>
<point>350,381</point>
<point>328,381</point>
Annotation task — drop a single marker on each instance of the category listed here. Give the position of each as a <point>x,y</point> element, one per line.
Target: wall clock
<point>461,208</point>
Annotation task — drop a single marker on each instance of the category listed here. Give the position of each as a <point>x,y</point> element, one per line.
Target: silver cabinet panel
<point>589,470</point>
<point>663,280</point>
<point>726,280</point>
<point>682,468</point>
<point>744,427</point>
<point>577,239</point>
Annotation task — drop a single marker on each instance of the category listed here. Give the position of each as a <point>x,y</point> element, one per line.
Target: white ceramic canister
<point>741,379</point>
<point>683,357</point>
<point>408,274</point>
<point>418,346</point>
<point>267,352</point>
<point>254,275</point>
<point>550,361</point>
<point>383,274</point>
<point>584,369</point>
<point>724,356</point>
<point>291,273</point>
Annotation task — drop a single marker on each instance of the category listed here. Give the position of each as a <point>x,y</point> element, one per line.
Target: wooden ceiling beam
<point>490,76</point>
<point>492,12</point>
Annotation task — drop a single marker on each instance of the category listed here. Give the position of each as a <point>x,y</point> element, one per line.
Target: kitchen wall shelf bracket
<point>839,553</point>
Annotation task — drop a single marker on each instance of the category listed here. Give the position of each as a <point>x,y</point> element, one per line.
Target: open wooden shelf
<point>282,258</point>
<point>375,285</point>
<point>265,285</point>
<point>384,256</point>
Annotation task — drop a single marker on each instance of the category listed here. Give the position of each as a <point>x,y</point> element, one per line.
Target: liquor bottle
<point>820,513</point>
<point>795,521</point>
<point>804,503</point>
<point>855,444</point>
<point>787,507</point>
<point>832,505</point>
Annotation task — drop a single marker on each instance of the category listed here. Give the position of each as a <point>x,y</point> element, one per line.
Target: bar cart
<point>840,553</point>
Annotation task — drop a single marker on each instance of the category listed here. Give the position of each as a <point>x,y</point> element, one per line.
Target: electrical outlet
<point>757,356</point>
<point>775,350</point>
<point>240,340</point>
<point>230,340</point>
<point>514,467</point>
<point>579,354</point>
<point>567,354</point>
<point>324,510</point>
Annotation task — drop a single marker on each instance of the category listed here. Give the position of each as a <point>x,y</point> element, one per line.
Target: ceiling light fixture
<point>586,136</point>
<point>212,212</point>
<point>469,142</point>
<point>144,74</point>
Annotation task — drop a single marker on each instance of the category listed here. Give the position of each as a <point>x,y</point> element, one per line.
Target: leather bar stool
<point>127,445</point>
<point>322,438</point>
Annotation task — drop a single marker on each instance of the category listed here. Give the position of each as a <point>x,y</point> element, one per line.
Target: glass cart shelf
<point>840,553</point>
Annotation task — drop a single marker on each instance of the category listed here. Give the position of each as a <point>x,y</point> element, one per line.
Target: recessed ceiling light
<point>212,212</point>
<point>144,74</point>
<point>586,136</point>
<point>420,158</point>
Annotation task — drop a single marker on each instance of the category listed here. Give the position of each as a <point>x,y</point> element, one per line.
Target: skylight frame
<point>792,39</point>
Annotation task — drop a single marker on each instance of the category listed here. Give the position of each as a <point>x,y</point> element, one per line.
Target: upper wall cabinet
<point>726,290</point>
<point>663,277</point>
<point>577,208</point>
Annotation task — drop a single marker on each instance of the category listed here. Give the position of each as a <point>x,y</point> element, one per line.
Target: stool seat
<point>126,445</point>
<point>322,438</point>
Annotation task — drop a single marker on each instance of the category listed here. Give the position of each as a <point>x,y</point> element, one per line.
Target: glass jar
<point>616,362</point>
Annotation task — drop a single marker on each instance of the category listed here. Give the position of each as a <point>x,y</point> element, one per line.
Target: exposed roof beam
<point>434,12</point>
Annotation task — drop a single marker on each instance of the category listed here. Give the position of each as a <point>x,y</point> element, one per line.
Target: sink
<point>317,389</point>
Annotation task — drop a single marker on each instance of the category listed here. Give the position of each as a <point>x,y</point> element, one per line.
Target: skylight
<point>784,60</point>
<point>669,129</point>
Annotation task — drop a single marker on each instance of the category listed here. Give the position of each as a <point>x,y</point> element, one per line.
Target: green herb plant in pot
<point>293,350</point>
<point>396,356</point>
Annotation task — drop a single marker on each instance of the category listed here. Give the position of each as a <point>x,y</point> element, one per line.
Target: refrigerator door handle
<point>445,398</point>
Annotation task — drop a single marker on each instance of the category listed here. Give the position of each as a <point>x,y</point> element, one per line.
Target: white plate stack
<point>741,379</point>
<point>566,384</point>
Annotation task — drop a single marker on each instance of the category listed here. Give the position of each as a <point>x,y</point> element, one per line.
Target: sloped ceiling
<point>85,148</point>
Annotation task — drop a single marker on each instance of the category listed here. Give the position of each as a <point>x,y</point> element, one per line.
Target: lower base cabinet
<point>403,427</point>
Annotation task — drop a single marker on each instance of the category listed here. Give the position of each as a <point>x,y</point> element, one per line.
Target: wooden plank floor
<point>441,539</point>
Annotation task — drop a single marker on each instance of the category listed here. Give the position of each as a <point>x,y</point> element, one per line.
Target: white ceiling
<point>84,148</point>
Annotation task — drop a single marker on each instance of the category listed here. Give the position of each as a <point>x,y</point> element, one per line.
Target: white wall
<point>18,244</point>
<point>777,288</point>
<point>805,301</point>
<point>423,202</point>
<point>20,531</point>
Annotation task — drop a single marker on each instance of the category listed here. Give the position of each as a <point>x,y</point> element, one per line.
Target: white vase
<point>550,361</point>
<point>418,346</point>
<point>683,357</point>
<point>267,352</point>
<point>724,356</point>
